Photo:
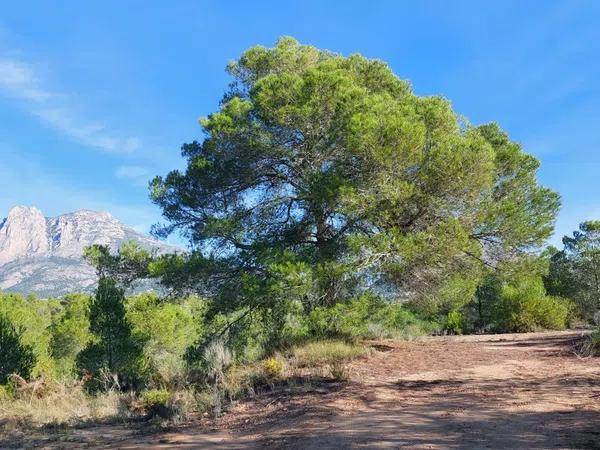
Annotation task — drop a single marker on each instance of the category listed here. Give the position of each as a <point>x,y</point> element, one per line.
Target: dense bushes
<point>80,335</point>
<point>70,332</point>
<point>368,316</point>
<point>455,323</point>
<point>165,332</point>
<point>516,303</point>
<point>32,317</point>
<point>15,356</point>
<point>147,341</point>
<point>574,271</point>
<point>112,342</point>
<point>524,306</point>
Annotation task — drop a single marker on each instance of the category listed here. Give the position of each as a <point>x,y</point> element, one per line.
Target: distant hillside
<point>42,255</point>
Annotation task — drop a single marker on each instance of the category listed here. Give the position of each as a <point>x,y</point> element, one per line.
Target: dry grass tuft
<point>321,353</point>
<point>60,405</point>
<point>589,347</point>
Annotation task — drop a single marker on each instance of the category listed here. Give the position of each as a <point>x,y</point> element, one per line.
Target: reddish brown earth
<point>525,391</point>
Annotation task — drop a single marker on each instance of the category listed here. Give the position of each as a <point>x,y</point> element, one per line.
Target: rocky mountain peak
<point>23,233</point>
<point>44,254</point>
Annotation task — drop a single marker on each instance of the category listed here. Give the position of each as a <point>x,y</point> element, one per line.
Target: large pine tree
<point>322,173</point>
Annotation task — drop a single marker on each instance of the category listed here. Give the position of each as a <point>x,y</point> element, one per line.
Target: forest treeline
<point>325,201</point>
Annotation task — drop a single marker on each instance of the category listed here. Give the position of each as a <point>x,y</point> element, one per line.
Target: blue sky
<point>97,97</point>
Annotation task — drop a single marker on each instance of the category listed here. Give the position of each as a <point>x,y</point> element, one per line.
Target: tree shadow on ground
<point>439,413</point>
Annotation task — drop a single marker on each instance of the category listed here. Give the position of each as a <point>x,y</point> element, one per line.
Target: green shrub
<point>455,323</point>
<point>273,368</point>
<point>296,325</point>
<point>15,356</point>
<point>403,323</point>
<point>164,331</point>
<point>6,393</point>
<point>175,405</point>
<point>345,319</point>
<point>367,316</point>
<point>319,322</point>
<point>398,317</point>
<point>524,306</point>
<point>32,317</point>
<point>155,397</point>
<point>70,330</point>
<point>156,402</point>
<point>248,336</point>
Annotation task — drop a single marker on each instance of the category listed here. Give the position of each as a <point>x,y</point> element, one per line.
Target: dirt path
<point>502,392</point>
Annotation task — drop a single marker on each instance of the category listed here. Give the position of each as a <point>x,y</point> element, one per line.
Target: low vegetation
<point>207,385</point>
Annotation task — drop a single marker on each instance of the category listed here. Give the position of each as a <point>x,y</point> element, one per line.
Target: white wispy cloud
<point>19,81</point>
<point>139,175</point>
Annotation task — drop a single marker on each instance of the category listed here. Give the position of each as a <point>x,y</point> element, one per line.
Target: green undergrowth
<point>54,405</point>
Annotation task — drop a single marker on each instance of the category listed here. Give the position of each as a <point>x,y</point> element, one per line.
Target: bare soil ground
<point>526,391</point>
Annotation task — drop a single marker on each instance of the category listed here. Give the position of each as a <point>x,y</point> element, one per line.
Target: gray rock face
<point>23,233</point>
<point>43,255</point>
